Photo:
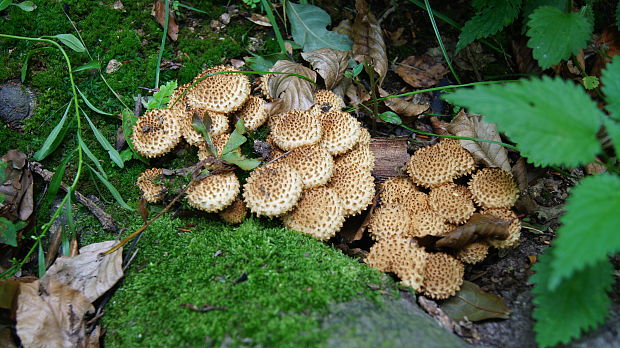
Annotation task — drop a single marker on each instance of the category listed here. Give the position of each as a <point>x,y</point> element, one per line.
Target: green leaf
<point>579,303</point>
<point>308,24</point>
<point>240,161</point>
<point>68,231</point>
<point>610,77</point>
<point>489,20</point>
<point>8,231</point>
<point>90,155</point>
<point>129,121</point>
<point>236,138</point>
<point>117,196</point>
<point>27,6</point>
<point>116,158</point>
<point>530,5</point>
<point>590,82</point>
<point>41,260</point>
<point>93,64</point>
<point>618,15</point>
<point>264,63</point>
<point>56,181</point>
<point>90,105</point>
<point>24,69</point>
<point>54,138</point>
<point>162,97</point>
<point>4,4</point>
<point>71,41</point>
<point>555,35</point>
<point>358,69</point>
<point>613,129</point>
<point>474,304</point>
<point>589,231</point>
<point>552,121</point>
<point>390,117</point>
<point>126,154</point>
<point>200,125</point>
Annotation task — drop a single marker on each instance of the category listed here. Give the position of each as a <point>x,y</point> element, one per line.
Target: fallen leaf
<point>90,272</point>
<point>478,227</point>
<point>8,292</point>
<point>112,66</point>
<point>329,63</point>
<point>294,92</point>
<point>421,71</point>
<point>259,19</point>
<point>368,43</point>
<point>143,210</point>
<point>473,126</point>
<point>344,27</point>
<point>17,189</point>
<point>401,106</point>
<point>159,12</point>
<point>474,304</point>
<point>50,314</point>
<point>308,27</point>
<point>519,173</point>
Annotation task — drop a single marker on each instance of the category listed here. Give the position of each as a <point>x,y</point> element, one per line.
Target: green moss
<point>292,280</point>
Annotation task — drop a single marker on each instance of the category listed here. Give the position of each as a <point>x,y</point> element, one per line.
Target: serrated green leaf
<point>114,156</point>
<point>610,77</point>
<point>613,129</point>
<point>90,105</point>
<point>492,18</point>
<point>71,41</point>
<point>579,303</point>
<point>93,64</point>
<point>8,231</point>
<point>552,121</point>
<point>590,82</point>
<point>129,121</point>
<point>240,161</point>
<point>4,4</point>
<point>308,24</point>
<point>27,6</point>
<point>90,155</point>
<point>555,35</point>
<point>162,97</point>
<point>530,5</point>
<point>390,117</point>
<point>54,138</point>
<point>117,196</point>
<point>589,231</point>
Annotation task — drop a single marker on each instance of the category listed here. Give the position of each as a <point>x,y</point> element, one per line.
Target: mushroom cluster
<point>429,203</point>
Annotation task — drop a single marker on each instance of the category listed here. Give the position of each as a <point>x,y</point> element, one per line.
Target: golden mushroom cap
<point>235,213</point>
<point>341,131</point>
<point>514,229</point>
<point>417,203</point>
<point>427,223</point>
<point>360,156</point>
<point>493,188</point>
<point>272,190</point>
<point>275,150</point>
<point>440,163</point>
<point>156,133</point>
<point>313,163</point>
<point>443,276</point>
<point>151,191</point>
<point>328,100</point>
<point>364,136</point>
<point>473,253</point>
<point>219,141</point>
<point>453,202</point>
<point>219,125</point>
<point>223,93</point>
<point>396,191</point>
<point>180,105</point>
<point>401,256</point>
<point>296,128</point>
<point>355,186</point>
<point>387,222</point>
<point>214,192</point>
<point>253,113</point>
<point>318,213</point>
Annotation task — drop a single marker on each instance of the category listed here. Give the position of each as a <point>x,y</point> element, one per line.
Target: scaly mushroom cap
<point>296,128</point>
<point>313,163</point>
<point>223,93</point>
<point>219,141</point>
<point>387,222</point>
<point>401,256</point>
<point>275,150</point>
<point>396,191</point>
<point>440,163</point>
<point>180,105</point>
<point>514,229</point>
<point>473,253</point>
<point>318,213</point>
<point>364,136</point>
<point>360,156</point>
<point>157,132</point>
<point>253,113</point>
<point>443,276</point>
<point>417,203</point>
<point>453,202</point>
<point>355,187</point>
<point>493,188</point>
<point>219,125</point>
<point>328,100</point>
<point>272,190</point>
<point>235,213</point>
<point>341,132</point>
<point>214,192</point>
<point>427,223</point>
<point>151,191</point>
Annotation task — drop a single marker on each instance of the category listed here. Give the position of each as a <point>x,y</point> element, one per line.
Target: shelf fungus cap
<point>453,202</point>
<point>440,163</point>
<point>235,213</point>
<point>156,133</point>
<point>427,223</point>
<point>360,156</point>
<point>328,101</point>
<point>401,256</point>
<point>253,113</point>
<point>355,187</point>
<point>473,253</point>
<point>151,191</point>
<point>272,190</point>
<point>219,125</point>
<point>493,188</point>
<point>318,213</point>
<point>214,192</point>
<point>443,276</point>
<point>387,222</point>
<point>313,163</point>
<point>296,128</point>
<point>514,229</point>
<point>396,191</point>
<point>341,131</point>
<point>223,93</point>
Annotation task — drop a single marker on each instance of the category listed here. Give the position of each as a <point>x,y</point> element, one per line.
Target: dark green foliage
<point>490,18</point>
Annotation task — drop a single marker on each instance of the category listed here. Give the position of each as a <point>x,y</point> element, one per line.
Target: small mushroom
<point>473,253</point>
<point>387,222</point>
<point>453,202</point>
<point>355,186</point>
<point>214,192</point>
<point>313,163</point>
<point>493,188</point>
<point>401,256</point>
<point>427,223</point>
<point>272,190</point>
<point>253,113</point>
<point>328,101</point>
<point>341,131</point>
<point>440,163</point>
<point>417,203</point>
<point>151,191</point>
<point>443,276</point>
<point>222,93</point>
<point>297,128</point>
<point>318,213</point>
<point>396,191</point>
<point>364,136</point>
<point>156,133</point>
<point>514,229</point>
<point>360,156</point>
<point>235,213</point>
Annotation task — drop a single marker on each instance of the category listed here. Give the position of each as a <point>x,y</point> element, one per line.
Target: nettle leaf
<point>552,121</point>
<point>308,24</point>
<point>54,138</point>
<point>162,97</point>
<point>530,5</point>
<point>580,301</point>
<point>488,21</point>
<point>610,78</point>
<point>114,156</point>
<point>555,35</point>
<point>589,231</point>
<point>613,129</point>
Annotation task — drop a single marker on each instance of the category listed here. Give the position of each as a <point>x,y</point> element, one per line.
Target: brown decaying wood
<point>390,157</point>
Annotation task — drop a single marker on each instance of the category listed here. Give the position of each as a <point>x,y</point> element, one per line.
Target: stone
<point>16,103</point>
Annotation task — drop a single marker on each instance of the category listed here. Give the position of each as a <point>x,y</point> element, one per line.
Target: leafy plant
<point>554,122</point>
<point>27,6</point>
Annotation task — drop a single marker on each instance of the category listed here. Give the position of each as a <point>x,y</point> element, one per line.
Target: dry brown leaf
<point>474,304</point>
<point>519,173</point>
<point>259,19</point>
<point>368,43</point>
<point>341,88</point>
<point>159,12</point>
<point>329,63</point>
<point>89,272</point>
<point>401,106</point>
<point>294,92</point>
<point>50,314</point>
<point>473,126</point>
<point>478,227</point>
<point>18,187</point>
<point>421,71</point>
<point>344,27</point>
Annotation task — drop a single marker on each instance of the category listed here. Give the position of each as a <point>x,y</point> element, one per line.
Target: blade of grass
<point>117,196</point>
<point>274,24</point>
<point>440,41</point>
<point>54,138</point>
<point>114,155</point>
<point>90,155</point>
<point>90,105</point>
<point>163,44</point>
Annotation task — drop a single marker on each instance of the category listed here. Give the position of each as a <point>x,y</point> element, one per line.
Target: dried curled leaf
<point>474,304</point>
<point>401,106</point>
<point>473,126</point>
<point>329,63</point>
<point>295,93</point>
<point>421,71</point>
<point>478,227</point>
<point>368,43</point>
